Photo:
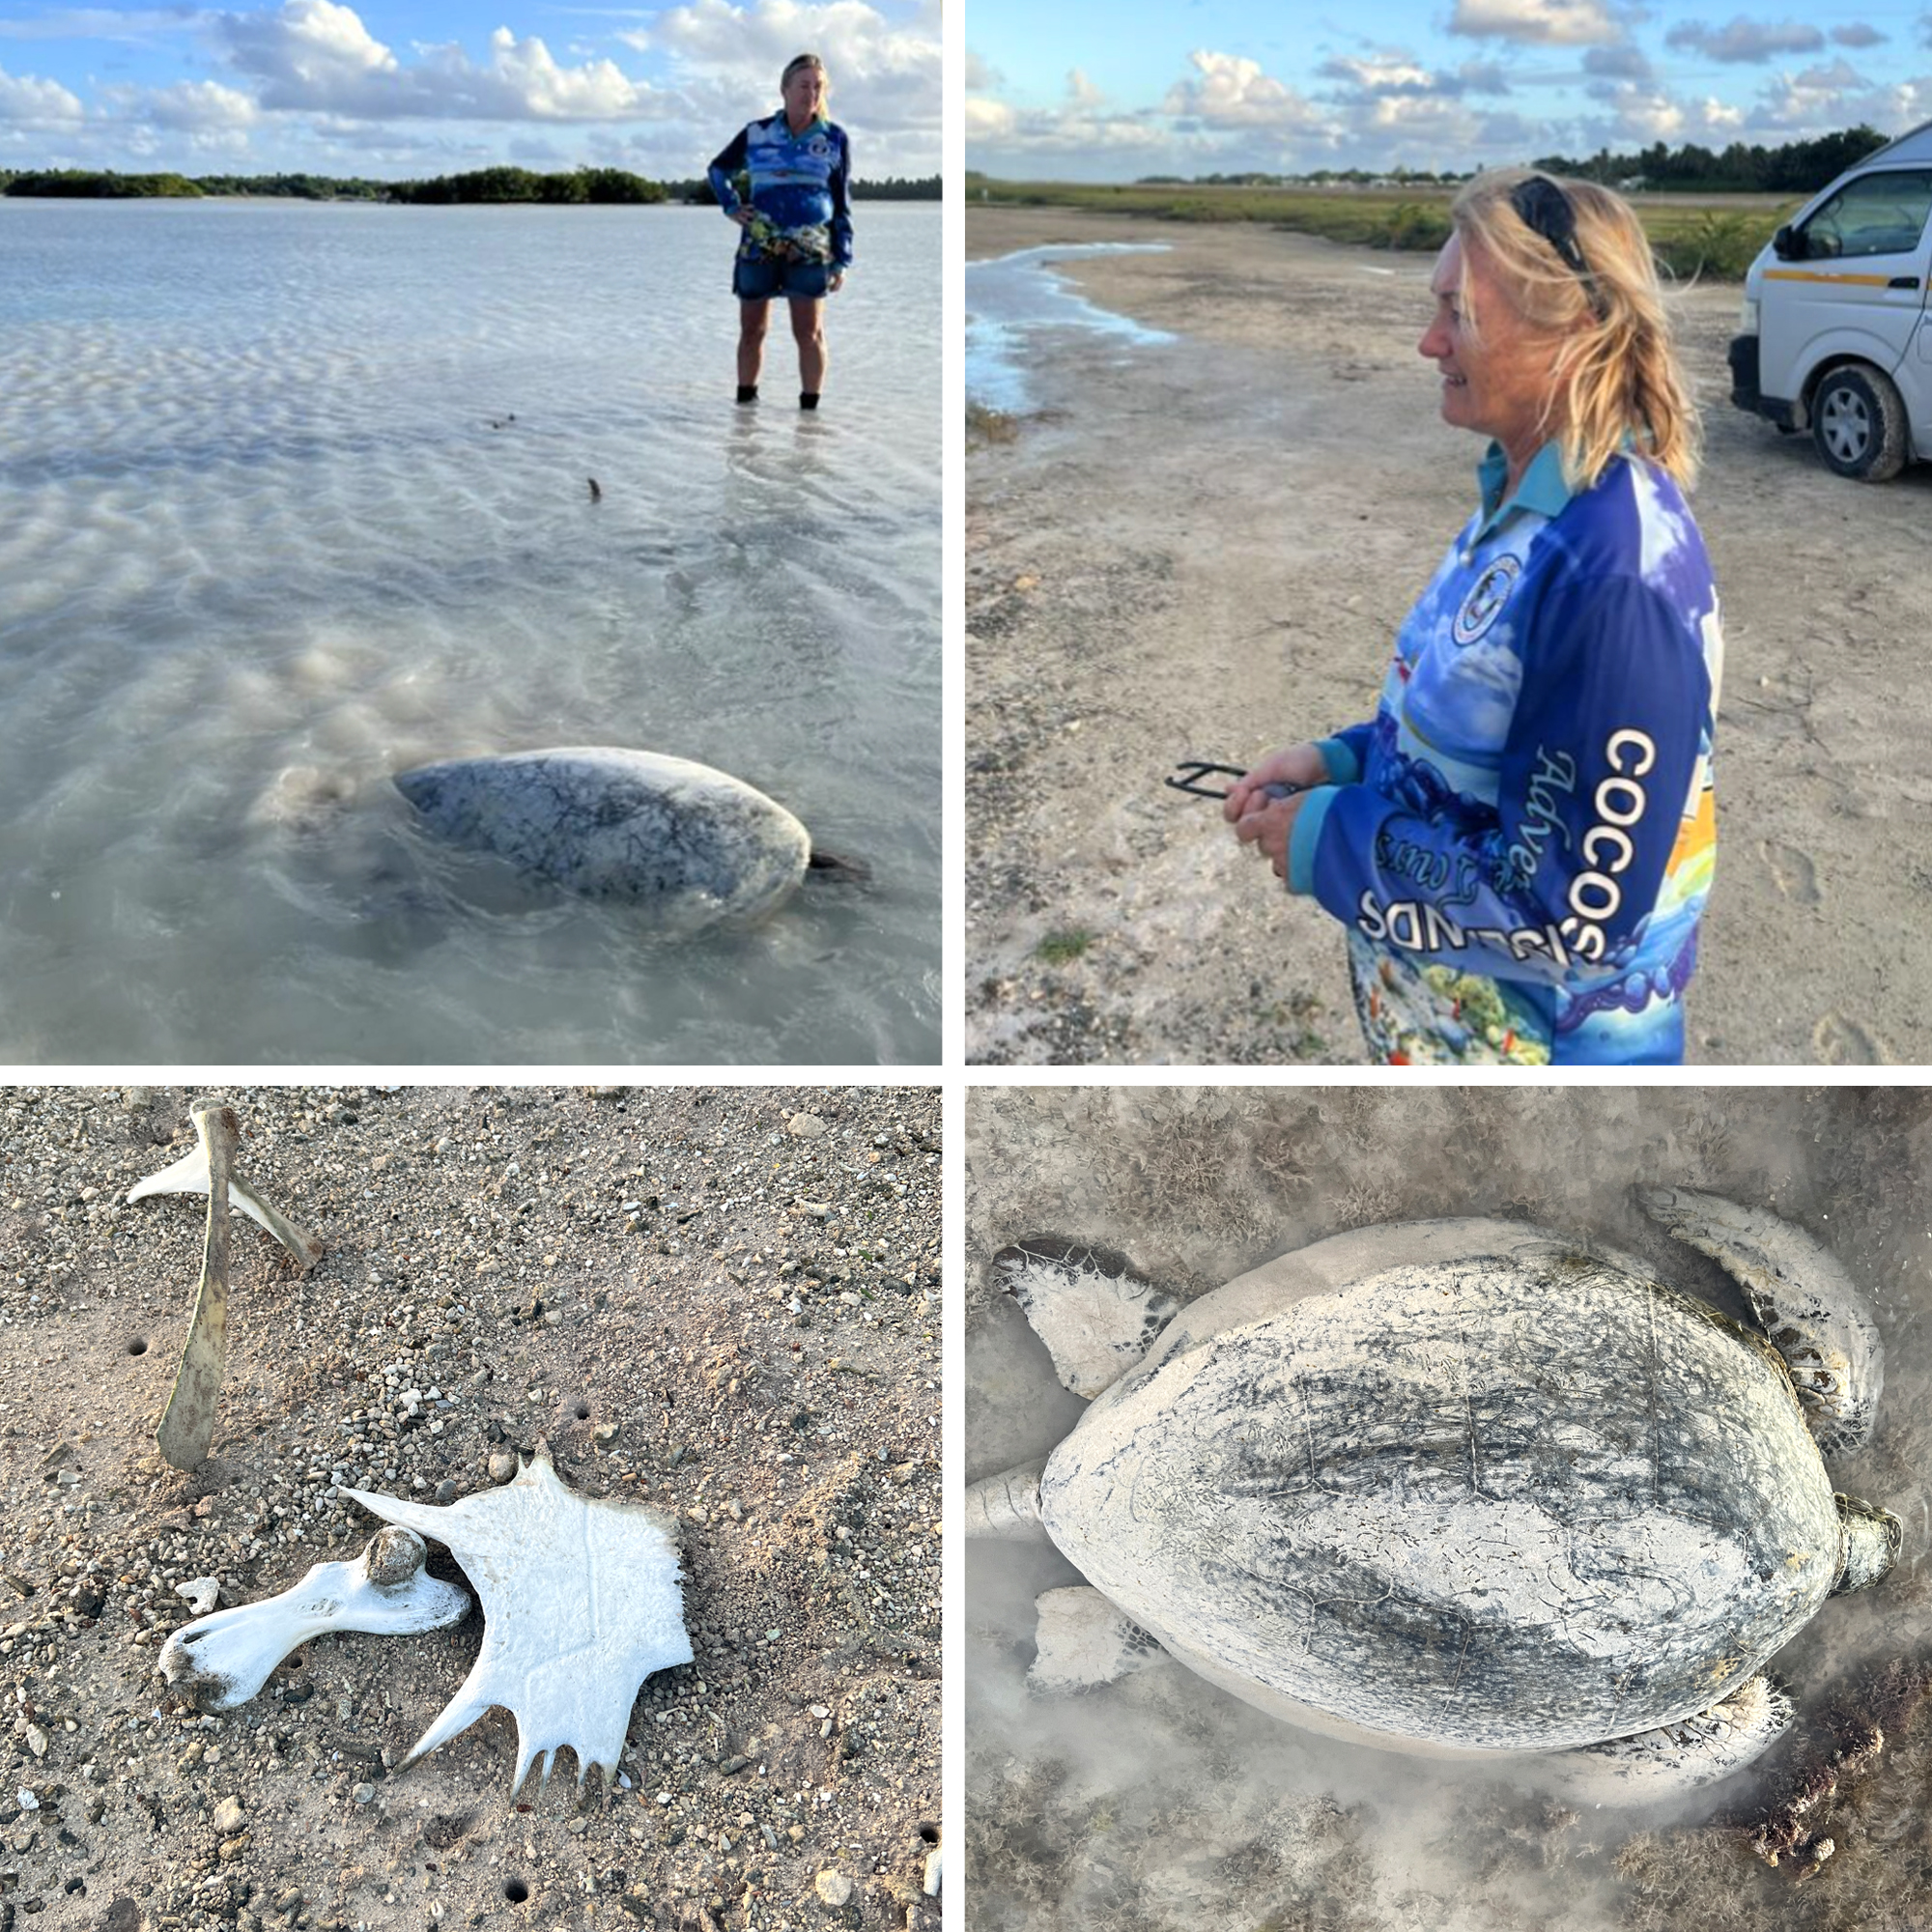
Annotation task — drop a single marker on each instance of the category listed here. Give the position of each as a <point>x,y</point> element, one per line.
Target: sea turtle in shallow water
<point>1460,1487</point>
<point>690,844</point>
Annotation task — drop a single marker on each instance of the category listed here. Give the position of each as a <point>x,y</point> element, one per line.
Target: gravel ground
<point>724,1302</point>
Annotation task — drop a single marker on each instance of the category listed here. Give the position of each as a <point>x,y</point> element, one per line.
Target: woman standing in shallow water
<point>1520,842</point>
<point>797,217</point>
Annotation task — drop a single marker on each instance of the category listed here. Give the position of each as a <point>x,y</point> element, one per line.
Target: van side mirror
<point>1788,245</point>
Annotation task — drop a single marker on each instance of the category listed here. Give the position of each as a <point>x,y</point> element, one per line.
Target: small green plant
<point>991,425</point>
<point>1062,949</point>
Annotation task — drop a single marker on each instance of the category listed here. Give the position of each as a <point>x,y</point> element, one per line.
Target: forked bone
<point>223,1660</point>
<point>189,1176</point>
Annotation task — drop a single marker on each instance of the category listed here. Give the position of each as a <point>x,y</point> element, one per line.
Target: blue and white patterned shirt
<point>799,184</point>
<point>1521,841</point>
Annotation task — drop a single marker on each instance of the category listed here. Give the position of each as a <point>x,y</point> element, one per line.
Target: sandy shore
<point>720,1302</point>
<point>1206,548</point>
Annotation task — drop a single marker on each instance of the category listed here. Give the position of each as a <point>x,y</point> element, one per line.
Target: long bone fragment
<point>581,1602</point>
<point>223,1660</point>
<point>187,1424</point>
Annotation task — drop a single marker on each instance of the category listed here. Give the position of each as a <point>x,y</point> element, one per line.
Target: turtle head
<point>1868,1544</point>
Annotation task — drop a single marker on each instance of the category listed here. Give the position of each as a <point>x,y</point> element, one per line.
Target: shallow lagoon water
<point>295,496</point>
<point>1009,296</point>
<point>1161,1805</point>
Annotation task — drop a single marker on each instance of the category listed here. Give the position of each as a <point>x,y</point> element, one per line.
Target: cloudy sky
<point>1108,90</point>
<point>390,88</point>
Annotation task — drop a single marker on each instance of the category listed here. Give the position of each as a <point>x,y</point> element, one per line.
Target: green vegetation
<point>1062,949</point>
<point>1408,210</point>
<point>1798,168</point>
<point>519,184</point>
<point>484,185</point>
<point>985,425</point>
<point>1689,240</point>
<point>82,183</point>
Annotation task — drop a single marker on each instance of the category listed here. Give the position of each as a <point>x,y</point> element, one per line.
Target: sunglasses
<point>1545,209</point>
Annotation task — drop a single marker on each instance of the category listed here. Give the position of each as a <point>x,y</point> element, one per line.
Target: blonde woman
<point>796,214</point>
<point>1519,844</point>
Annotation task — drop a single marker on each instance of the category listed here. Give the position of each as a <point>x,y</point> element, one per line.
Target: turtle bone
<point>582,1599</point>
<point>223,1660</point>
<point>189,1176</point>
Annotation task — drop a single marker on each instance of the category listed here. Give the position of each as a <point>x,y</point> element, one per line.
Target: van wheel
<point>1859,424</point>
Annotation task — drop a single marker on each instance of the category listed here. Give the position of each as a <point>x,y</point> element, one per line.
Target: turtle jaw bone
<point>1870,1539</point>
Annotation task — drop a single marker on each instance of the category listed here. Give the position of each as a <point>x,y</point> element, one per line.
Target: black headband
<point>1545,209</point>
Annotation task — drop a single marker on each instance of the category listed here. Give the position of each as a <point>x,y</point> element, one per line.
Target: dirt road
<point>1207,547</point>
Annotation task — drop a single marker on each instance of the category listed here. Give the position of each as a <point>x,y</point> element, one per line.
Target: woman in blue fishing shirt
<point>786,182</point>
<point>1519,844</point>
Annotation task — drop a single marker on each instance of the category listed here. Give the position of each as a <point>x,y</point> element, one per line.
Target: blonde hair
<point>796,62</point>
<point>1618,379</point>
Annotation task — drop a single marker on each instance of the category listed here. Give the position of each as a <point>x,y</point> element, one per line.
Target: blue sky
<point>1109,90</point>
<point>390,88</point>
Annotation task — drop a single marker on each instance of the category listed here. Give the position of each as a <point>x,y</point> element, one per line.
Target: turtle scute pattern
<point>1523,1502</point>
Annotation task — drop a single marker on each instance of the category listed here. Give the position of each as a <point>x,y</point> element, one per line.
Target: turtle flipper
<point>1675,1758</point>
<point>1083,1640</point>
<point>1096,1317</point>
<point>1804,1301</point>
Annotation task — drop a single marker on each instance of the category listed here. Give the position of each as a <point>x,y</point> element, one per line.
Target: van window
<point>1881,213</point>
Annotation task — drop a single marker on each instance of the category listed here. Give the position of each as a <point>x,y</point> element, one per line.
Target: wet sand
<point>1208,548</point>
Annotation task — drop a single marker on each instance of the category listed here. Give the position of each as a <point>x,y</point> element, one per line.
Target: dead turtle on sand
<point>1460,1487</point>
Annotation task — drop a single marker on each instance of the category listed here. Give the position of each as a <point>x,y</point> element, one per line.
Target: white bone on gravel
<point>189,1176</point>
<point>581,1602</point>
<point>223,1660</point>
<point>201,1593</point>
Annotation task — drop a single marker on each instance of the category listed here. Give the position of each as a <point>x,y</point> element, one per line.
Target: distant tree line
<point>506,185</point>
<point>1798,167</point>
<point>483,185</point>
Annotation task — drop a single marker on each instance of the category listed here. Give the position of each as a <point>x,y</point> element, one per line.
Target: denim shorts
<point>760,278</point>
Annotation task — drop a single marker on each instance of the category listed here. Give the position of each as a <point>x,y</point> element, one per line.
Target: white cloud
<point>1233,92</point>
<point>1545,22</point>
<point>1381,73</point>
<point>314,56</point>
<point>1644,114</point>
<point>199,108</point>
<point>883,76</point>
<point>103,23</point>
<point>1081,91</point>
<point>29,102</point>
<point>1818,100</point>
<point>1743,40</point>
<point>979,77</point>
<point>1394,72</point>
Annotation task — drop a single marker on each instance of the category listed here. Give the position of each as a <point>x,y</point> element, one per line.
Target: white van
<point>1836,336</point>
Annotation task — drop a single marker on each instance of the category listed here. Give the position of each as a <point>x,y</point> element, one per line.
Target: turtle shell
<point>1504,1494</point>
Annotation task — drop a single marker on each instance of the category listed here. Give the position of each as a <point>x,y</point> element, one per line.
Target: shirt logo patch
<point>1484,604</point>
